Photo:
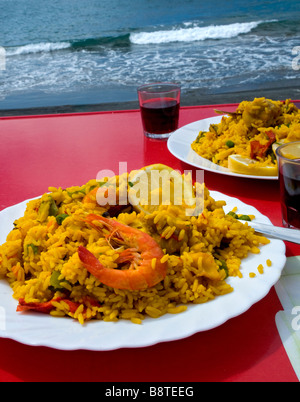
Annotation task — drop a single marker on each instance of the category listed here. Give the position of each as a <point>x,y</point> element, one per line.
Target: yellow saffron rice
<point>251,122</point>
<point>260,269</point>
<point>40,259</point>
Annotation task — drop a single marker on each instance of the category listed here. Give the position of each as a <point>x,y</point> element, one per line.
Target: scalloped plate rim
<point>35,329</point>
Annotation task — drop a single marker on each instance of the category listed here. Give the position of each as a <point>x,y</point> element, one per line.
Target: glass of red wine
<point>288,156</point>
<point>159,104</point>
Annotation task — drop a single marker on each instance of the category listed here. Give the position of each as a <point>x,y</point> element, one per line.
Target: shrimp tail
<point>91,263</point>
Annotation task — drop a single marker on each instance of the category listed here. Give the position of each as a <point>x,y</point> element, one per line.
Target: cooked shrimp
<point>100,192</point>
<point>90,198</point>
<point>143,253</point>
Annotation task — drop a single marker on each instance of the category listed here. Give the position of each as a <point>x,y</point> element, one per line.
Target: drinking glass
<point>288,156</point>
<point>159,105</point>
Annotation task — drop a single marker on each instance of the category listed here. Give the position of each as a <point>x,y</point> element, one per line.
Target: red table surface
<point>66,150</point>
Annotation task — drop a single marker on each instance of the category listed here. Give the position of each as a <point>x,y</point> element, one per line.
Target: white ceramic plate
<point>66,334</point>
<point>179,144</point>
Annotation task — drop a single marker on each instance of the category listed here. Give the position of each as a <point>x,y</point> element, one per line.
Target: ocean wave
<point>187,33</point>
<point>74,44</point>
<point>194,34</point>
<point>90,43</point>
<point>43,47</point>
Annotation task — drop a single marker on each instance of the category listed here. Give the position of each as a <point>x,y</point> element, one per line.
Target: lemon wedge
<point>156,185</point>
<point>247,166</point>
<point>291,151</point>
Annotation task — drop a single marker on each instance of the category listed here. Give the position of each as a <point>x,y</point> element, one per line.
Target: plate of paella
<point>98,267</point>
<point>240,143</point>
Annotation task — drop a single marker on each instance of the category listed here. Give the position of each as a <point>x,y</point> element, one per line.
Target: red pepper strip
<point>258,150</point>
<point>272,137</point>
<point>89,300</point>
<point>47,307</point>
<point>72,305</point>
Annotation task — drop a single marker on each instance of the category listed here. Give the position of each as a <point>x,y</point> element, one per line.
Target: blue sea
<point>58,52</point>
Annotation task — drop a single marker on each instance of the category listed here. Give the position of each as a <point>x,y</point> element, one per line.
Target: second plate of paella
<point>240,143</point>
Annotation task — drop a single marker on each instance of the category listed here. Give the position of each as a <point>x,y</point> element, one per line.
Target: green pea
<point>230,144</point>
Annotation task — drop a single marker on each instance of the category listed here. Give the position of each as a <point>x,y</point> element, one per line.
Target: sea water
<point>61,52</point>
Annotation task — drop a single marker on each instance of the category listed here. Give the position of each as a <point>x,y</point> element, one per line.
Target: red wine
<point>290,190</point>
<point>160,116</point>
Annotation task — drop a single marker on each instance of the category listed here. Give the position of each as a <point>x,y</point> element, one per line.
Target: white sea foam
<point>43,47</point>
<point>194,34</point>
<point>244,62</point>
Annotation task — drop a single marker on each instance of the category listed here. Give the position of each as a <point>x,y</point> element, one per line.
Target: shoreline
<point>188,98</point>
